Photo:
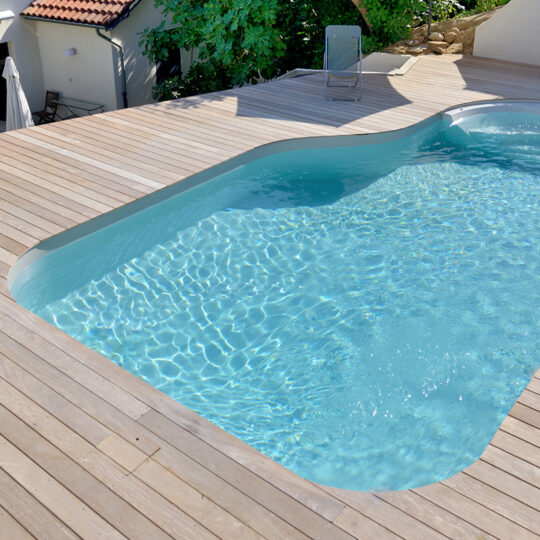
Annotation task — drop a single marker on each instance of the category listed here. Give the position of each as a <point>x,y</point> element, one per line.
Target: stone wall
<point>448,37</point>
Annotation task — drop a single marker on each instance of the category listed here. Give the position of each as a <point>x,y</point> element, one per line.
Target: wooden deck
<point>88,450</point>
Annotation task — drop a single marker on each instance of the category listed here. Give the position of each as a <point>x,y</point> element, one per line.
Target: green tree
<point>240,41</point>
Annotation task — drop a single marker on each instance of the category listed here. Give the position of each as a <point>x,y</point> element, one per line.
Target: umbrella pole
<point>429,17</point>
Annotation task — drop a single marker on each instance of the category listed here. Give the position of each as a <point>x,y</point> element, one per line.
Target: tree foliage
<point>242,41</point>
<point>237,39</point>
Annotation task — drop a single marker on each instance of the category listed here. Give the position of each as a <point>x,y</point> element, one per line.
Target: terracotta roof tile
<point>96,12</point>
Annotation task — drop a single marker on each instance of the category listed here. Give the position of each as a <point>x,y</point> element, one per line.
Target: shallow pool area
<point>366,315</point>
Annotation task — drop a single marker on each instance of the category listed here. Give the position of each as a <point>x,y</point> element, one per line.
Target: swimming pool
<point>361,309</point>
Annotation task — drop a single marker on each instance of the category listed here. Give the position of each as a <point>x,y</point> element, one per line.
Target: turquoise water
<point>364,315</point>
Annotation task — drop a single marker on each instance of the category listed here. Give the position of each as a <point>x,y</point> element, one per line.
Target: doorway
<point>4,53</point>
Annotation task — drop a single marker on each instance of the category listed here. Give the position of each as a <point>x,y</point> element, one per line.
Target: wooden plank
<point>534,386</point>
<point>79,395</point>
<point>495,500</point>
<point>14,382</point>
<point>48,201</point>
<point>253,486</point>
<point>54,182</point>
<point>73,167</point>
<point>386,515</point>
<point>176,162</point>
<point>525,414</point>
<point>3,283</point>
<point>360,526</point>
<point>14,233</point>
<point>227,496</point>
<point>10,527</point>
<point>520,429</point>
<point>530,399</point>
<point>31,213</point>
<point>4,269</point>
<point>11,246</point>
<point>512,465</point>
<point>26,227</point>
<point>7,257</point>
<point>93,162</point>
<point>517,447</point>
<point>72,204</point>
<point>432,515</point>
<point>213,517</point>
<point>62,362</point>
<point>97,480</point>
<point>31,514</point>
<point>77,515</point>
<point>472,512</point>
<point>94,185</point>
<point>119,450</point>
<point>506,483</point>
<point>56,135</point>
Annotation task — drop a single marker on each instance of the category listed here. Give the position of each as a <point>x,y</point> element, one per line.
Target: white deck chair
<point>343,62</point>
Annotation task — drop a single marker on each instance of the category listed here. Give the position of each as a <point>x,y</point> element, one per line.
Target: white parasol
<point>18,113</point>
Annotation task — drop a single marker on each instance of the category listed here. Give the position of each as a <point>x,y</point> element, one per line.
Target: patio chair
<point>48,114</point>
<point>343,62</point>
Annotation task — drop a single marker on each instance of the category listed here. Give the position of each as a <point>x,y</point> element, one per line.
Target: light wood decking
<point>87,449</point>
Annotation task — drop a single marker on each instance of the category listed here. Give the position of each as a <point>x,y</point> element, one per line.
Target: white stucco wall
<point>20,34</point>
<point>89,75</point>
<point>140,74</point>
<point>511,33</point>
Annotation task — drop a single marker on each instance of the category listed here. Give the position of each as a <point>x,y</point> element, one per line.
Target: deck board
<point>89,450</point>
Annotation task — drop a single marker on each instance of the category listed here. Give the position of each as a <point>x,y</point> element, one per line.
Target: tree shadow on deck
<point>302,100</point>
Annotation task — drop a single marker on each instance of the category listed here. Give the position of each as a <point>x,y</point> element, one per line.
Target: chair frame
<point>353,76</point>
<point>48,114</point>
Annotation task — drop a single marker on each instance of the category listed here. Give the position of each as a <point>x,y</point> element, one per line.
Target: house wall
<point>140,74</point>
<point>511,33</point>
<point>21,35</point>
<point>93,74</point>
<point>89,75</point>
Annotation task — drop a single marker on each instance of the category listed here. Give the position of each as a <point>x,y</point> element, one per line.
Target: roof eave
<point>72,23</point>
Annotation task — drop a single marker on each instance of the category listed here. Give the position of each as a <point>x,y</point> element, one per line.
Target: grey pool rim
<point>451,114</point>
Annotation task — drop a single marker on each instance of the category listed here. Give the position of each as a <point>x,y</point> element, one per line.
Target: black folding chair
<point>48,114</point>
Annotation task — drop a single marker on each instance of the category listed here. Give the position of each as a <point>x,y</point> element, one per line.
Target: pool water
<point>365,315</point>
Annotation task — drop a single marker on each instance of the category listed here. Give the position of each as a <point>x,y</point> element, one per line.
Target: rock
<point>418,33</point>
<point>467,37</point>
<point>451,35</point>
<point>455,48</point>
<point>436,36</point>
<point>438,46</point>
<point>447,37</point>
<point>400,47</point>
<point>396,49</point>
<point>419,49</point>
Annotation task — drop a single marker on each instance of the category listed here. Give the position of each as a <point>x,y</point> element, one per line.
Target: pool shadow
<point>499,77</point>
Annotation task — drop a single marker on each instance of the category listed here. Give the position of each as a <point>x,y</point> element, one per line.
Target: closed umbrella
<point>18,113</point>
